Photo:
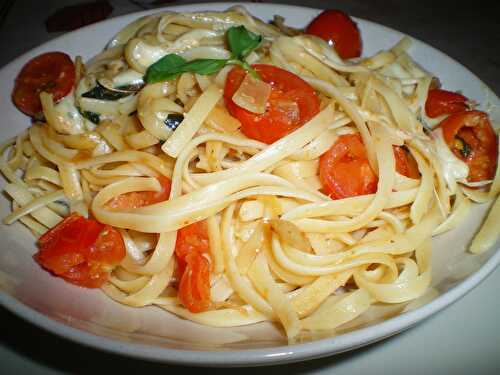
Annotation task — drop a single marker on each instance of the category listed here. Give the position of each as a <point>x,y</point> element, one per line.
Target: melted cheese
<point>252,94</point>
<point>72,122</point>
<point>454,169</point>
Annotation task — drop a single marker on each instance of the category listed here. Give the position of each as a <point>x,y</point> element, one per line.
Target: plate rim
<point>269,355</point>
<point>256,357</point>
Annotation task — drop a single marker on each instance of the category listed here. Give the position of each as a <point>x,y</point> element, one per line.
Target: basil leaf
<point>164,69</point>
<point>173,120</point>
<point>102,93</point>
<point>204,66</point>
<point>169,67</point>
<point>91,116</point>
<point>242,41</point>
<point>246,66</point>
<point>462,146</point>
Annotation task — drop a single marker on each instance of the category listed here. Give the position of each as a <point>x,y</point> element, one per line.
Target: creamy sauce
<point>69,117</point>
<point>454,169</point>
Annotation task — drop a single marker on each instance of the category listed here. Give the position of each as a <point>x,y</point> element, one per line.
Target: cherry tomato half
<point>339,30</point>
<point>136,199</point>
<point>51,72</point>
<point>81,251</point>
<point>406,164</point>
<point>191,250</point>
<point>291,104</point>
<point>441,102</point>
<point>194,287</point>
<point>344,170</point>
<point>470,136</point>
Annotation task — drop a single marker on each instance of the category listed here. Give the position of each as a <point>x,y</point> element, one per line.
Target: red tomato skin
<point>291,104</point>
<point>473,127</point>
<point>344,170</point>
<point>406,164</point>
<point>138,199</point>
<point>192,238</point>
<point>52,72</point>
<point>81,251</point>
<point>105,249</point>
<point>67,244</point>
<point>339,30</point>
<point>442,102</point>
<point>86,275</point>
<point>194,287</point>
<point>191,250</point>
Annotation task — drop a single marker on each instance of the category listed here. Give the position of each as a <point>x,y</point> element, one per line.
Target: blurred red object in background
<point>75,16</point>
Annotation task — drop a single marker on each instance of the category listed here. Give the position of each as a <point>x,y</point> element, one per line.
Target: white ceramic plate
<point>90,318</point>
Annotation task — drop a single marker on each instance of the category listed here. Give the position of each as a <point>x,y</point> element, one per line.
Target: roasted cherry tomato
<point>344,170</point>
<point>81,251</point>
<point>291,104</point>
<point>136,199</point>
<point>406,164</point>
<point>52,72</point>
<point>194,287</point>
<point>191,250</point>
<point>441,102</point>
<point>339,30</point>
<point>471,138</point>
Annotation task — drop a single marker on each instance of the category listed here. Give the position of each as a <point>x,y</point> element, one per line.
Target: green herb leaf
<point>91,116</point>
<point>102,93</point>
<point>242,41</point>
<point>462,146</point>
<point>169,67</point>
<point>245,66</point>
<point>164,69</point>
<point>173,120</point>
<point>204,66</point>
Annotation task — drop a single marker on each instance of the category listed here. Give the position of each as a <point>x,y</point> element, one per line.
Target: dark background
<point>468,33</point>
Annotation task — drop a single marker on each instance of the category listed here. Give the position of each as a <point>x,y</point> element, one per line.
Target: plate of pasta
<point>214,185</point>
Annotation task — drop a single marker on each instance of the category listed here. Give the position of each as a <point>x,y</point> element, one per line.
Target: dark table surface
<point>463,339</point>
